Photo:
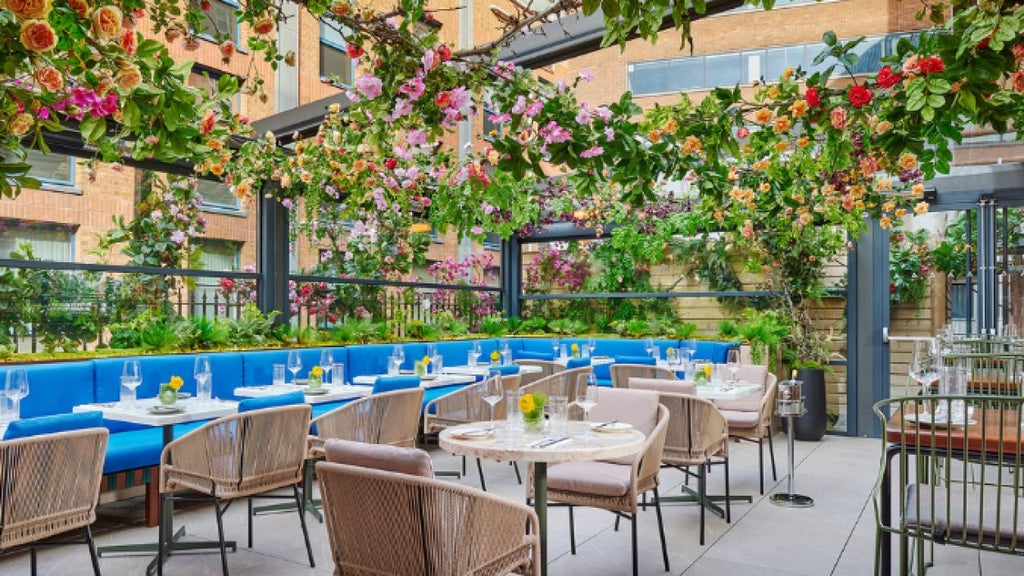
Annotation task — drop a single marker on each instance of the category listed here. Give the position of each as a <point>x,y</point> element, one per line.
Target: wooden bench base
<point>148,477</point>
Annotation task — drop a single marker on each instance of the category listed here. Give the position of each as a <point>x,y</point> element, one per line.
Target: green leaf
<point>936,101</point>
<point>131,114</point>
<point>927,114</point>
<point>93,128</point>
<point>590,6</point>
<point>939,86</point>
<point>915,101</point>
<point>829,38</point>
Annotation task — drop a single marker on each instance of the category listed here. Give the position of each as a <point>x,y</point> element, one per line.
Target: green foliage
<point>634,328</point>
<point>764,330</point>
<point>123,336</point>
<point>566,326</point>
<point>420,330</point>
<point>495,325</point>
<point>910,265</point>
<point>160,335</point>
<point>253,328</point>
<point>534,325</point>
<point>204,333</point>
<point>360,331</point>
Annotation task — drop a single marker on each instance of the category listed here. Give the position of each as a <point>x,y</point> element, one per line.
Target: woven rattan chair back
<point>697,430</point>
<point>547,368</point>
<point>391,418</point>
<point>566,383</point>
<point>49,484</point>
<point>385,523</point>
<point>951,480</point>
<point>621,373</point>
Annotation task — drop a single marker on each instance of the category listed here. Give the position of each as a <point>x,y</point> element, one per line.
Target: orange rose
<point>106,23</point>
<point>38,36</point>
<point>227,50</point>
<point>1017,79</point>
<point>191,44</point>
<point>50,79</point>
<point>263,26</point>
<point>129,42</point>
<point>29,9</point>
<point>838,118</point>
<point>81,7</point>
<point>20,124</point>
<point>128,78</point>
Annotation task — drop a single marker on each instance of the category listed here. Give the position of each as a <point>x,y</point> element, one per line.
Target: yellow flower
<point>176,383</point>
<point>707,370</point>
<point>798,108</point>
<point>921,208</point>
<point>426,360</point>
<point>691,145</point>
<point>316,372</point>
<point>574,347</point>
<point>908,161</point>
<point>527,403</point>
<point>763,116</point>
<point>787,73</point>
<point>495,356</point>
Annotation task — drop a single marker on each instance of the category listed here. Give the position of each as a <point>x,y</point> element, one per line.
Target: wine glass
<point>732,363</point>
<point>493,391</point>
<point>131,378</point>
<point>202,374</point>
<point>687,350</point>
<point>649,346</point>
<point>327,364</point>
<point>924,364</point>
<point>586,399</point>
<point>556,347</point>
<point>294,364</point>
<point>16,388</point>
<point>399,352</point>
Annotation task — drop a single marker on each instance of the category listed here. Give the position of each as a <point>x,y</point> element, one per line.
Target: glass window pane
<point>335,64</point>
<point>221,21</point>
<point>648,78</point>
<point>751,66</point>
<point>870,52</point>
<point>811,52</point>
<point>49,242</point>
<point>329,34</point>
<point>217,194</point>
<point>778,59</point>
<point>52,168</point>
<point>722,70</point>
<point>686,74</point>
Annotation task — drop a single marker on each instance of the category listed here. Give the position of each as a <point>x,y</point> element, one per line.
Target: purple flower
<point>476,230</point>
<point>584,116</point>
<point>178,237</point>
<point>603,113</point>
<point>609,134</point>
<point>592,152</point>
<point>534,108</point>
<point>586,75</point>
<point>416,137</point>
<point>428,60</point>
<point>369,86</point>
<point>287,203</point>
<point>520,104</point>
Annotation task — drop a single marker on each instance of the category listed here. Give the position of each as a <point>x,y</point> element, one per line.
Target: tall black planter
<point>811,426</point>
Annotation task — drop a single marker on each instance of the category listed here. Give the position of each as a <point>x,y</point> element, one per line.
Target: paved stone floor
<point>835,537</point>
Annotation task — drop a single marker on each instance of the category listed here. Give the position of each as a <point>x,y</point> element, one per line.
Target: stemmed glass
<point>327,364</point>
<point>131,378</point>
<point>924,364</point>
<point>294,364</point>
<point>399,353</point>
<point>649,346</point>
<point>732,363</point>
<point>687,350</point>
<point>556,347</point>
<point>493,391</point>
<point>586,399</point>
<point>16,388</point>
<point>203,375</point>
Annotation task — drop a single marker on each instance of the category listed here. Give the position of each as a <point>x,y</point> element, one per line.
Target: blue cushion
<point>258,365</point>
<point>712,351</point>
<point>530,355</point>
<point>389,383</point>
<point>250,404</point>
<point>132,449</point>
<point>372,359</point>
<point>509,370</point>
<point>56,388</point>
<point>645,360</point>
<point>52,424</point>
<point>431,394</point>
<point>576,363</point>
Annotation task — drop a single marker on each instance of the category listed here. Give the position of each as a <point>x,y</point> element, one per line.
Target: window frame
<point>323,42</point>
<point>237,36</point>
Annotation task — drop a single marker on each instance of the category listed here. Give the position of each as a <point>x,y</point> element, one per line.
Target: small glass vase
<point>167,396</point>
<point>315,382</point>
<point>533,424</point>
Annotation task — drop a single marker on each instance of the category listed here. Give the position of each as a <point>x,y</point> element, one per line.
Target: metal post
<point>273,257</point>
<point>511,275</point>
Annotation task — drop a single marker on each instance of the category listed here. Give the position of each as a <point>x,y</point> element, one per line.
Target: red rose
<point>263,26</point>
<point>892,288</point>
<point>129,43</point>
<point>205,5</point>
<point>931,65</point>
<point>813,100</point>
<point>443,99</point>
<point>227,284</point>
<point>743,132</point>
<point>354,51</point>
<point>859,96</point>
<point>887,78</point>
<point>227,50</point>
<point>390,163</point>
<point>444,52</point>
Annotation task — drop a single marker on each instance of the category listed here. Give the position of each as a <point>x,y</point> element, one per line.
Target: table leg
<point>885,542</point>
<point>540,505</point>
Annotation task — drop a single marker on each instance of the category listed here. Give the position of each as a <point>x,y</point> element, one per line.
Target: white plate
<point>473,434</point>
<point>928,419</point>
<point>165,409</point>
<point>315,391</point>
<point>428,377</point>
<point>611,427</point>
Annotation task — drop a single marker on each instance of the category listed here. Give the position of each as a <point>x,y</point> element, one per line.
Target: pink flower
<point>592,152</point>
<point>287,203</point>
<point>413,88</point>
<point>476,230</point>
<point>178,237</point>
<point>534,108</point>
<point>369,86</point>
<point>416,137</point>
<point>586,75</point>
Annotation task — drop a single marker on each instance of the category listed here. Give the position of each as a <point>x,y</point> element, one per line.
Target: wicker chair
<point>621,373</point>
<point>395,523</point>
<point>240,456</point>
<point>546,369</point>
<point>467,405</point>
<point>49,485</point>
<point>756,426</point>
<point>565,383</point>
<point>391,418</point>
<point>616,485</point>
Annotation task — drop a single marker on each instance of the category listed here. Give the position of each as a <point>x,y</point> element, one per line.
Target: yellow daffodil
<point>527,404</point>
<point>176,383</point>
<point>495,356</point>
<point>707,370</point>
<point>316,372</point>
<point>426,360</point>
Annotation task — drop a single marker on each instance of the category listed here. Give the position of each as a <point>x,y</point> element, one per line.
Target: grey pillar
<point>986,303</point>
<point>868,300</point>
<point>273,257</point>
<point>511,275</point>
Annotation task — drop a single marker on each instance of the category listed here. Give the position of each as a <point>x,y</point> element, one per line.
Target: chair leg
<point>636,563</point>
<point>249,521</point>
<point>661,527</point>
<point>701,495</point>
<point>220,536</point>
<point>480,471</point>
<point>519,478</point>
<point>92,551</point>
<point>771,452</point>
<point>32,559</point>
<point>302,521</point>
<point>761,463</point>
<point>572,532</point>
<point>728,501</point>
<point>160,539</point>
<point>617,518</point>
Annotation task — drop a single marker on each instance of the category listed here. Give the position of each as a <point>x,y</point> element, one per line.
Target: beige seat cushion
<point>601,478</point>
<point>739,420</point>
<point>379,456</point>
<point>661,385</point>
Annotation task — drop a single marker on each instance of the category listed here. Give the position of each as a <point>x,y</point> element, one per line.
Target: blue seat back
<point>55,388</point>
<point>52,424</point>
<point>576,363</point>
<point>389,383</point>
<point>713,351</point>
<point>287,399</point>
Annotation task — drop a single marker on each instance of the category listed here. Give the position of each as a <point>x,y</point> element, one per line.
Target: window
<point>492,241</point>
<point>491,126</point>
<point>51,242</point>
<point>335,65</point>
<point>221,21</point>
<point>217,195</point>
<point>206,79</point>
<point>55,169</point>
<point>216,255</point>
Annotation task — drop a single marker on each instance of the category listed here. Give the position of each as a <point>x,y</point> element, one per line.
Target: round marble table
<point>525,448</point>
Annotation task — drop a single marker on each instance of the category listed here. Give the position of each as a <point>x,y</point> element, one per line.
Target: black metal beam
<point>273,256</point>
<point>563,232</point>
<point>302,121</point>
<point>969,185</point>
<point>117,269</point>
<point>628,295</point>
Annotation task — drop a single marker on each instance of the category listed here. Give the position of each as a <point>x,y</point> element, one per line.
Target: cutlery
<point>544,443</point>
<point>609,423</point>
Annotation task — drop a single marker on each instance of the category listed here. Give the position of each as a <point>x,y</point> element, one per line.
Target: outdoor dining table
<point>733,392</point>
<point>986,432</point>
<point>481,370</point>
<point>522,447</point>
<point>326,394</point>
<point>439,381</point>
<point>192,410</point>
<point>594,360</point>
